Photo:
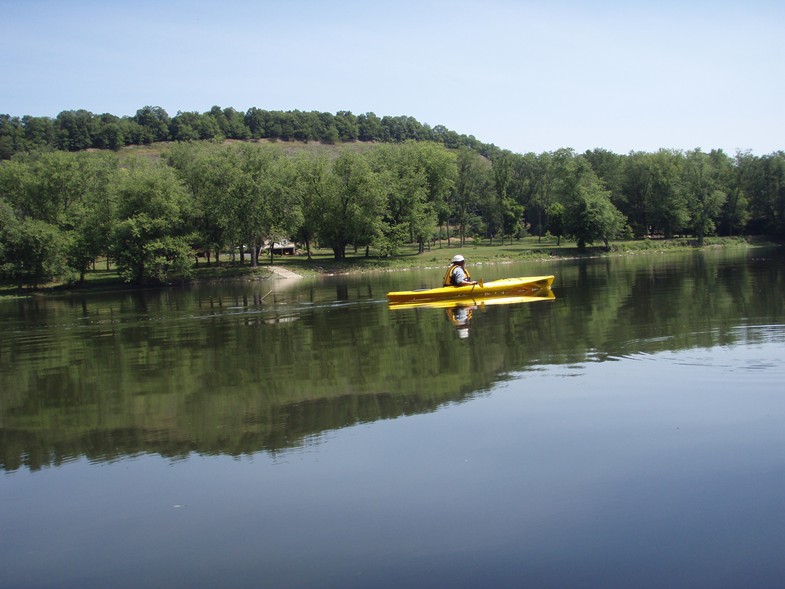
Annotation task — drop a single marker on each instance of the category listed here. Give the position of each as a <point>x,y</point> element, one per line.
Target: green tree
<point>704,197</point>
<point>110,136</point>
<point>231,123</point>
<point>666,203</point>
<point>411,176</point>
<point>470,185</point>
<point>765,188</point>
<point>353,206</point>
<point>609,169</point>
<point>543,193</point>
<point>154,120</point>
<point>589,214</point>
<point>310,189</point>
<point>632,200</point>
<point>152,237</point>
<point>90,217</point>
<point>370,127</point>
<point>591,217</point>
<point>184,126</point>
<point>556,213</point>
<point>31,250</point>
<point>263,205</point>
<point>346,125</point>
<point>441,170</point>
<point>39,132</point>
<point>509,213</point>
<point>209,172</point>
<point>76,130</point>
<point>735,212</point>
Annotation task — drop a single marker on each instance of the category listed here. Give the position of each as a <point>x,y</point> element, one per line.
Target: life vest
<point>447,281</point>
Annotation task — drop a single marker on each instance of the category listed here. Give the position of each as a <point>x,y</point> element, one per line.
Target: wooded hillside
<point>61,209</point>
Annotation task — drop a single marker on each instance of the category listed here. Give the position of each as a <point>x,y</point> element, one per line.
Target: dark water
<point>628,433</point>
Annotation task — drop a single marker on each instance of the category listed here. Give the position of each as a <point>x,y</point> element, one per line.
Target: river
<point>301,433</point>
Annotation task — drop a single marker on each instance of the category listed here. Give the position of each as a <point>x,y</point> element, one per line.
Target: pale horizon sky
<point>525,76</point>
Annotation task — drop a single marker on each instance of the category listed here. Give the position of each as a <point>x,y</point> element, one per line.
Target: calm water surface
<point>627,433</point>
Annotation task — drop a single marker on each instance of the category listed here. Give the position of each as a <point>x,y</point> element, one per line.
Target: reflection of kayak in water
<point>543,294</point>
<point>525,285</point>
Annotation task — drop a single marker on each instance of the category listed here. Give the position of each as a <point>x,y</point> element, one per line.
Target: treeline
<point>61,211</point>
<point>77,130</point>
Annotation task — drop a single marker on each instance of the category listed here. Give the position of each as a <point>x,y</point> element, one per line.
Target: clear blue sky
<point>526,76</point>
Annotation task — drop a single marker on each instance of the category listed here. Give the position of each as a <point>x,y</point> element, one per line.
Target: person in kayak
<point>457,275</point>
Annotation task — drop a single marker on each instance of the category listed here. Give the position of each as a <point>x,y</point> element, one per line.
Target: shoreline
<point>298,267</point>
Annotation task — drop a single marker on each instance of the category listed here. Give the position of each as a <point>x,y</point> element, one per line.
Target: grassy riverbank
<point>439,254</point>
<point>529,248</point>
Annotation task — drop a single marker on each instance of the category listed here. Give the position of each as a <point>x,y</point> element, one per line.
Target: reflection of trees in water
<point>219,373</point>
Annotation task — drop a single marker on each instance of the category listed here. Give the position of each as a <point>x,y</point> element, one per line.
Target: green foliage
<point>555,226</point>
<point>416,177</point>
<point>592,217</point>
<point>352,205</point>
<point>705,199</point>
<point>472,193</point>
<point>154,122</point>
<point>151,239</point>
<point>33,250</point>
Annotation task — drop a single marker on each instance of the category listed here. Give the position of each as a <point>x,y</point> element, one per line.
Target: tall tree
<point>509,213</point>
<point>471,183</point>
<point>416,177</point>
<point>589,214</point>
<point>265,209</point>
<point>91,216</point>
<point>155,122</point>
<point>735,211</point>
<point>153,235</point>
<point>310,190</point>
<point>352,207</point>
<point>702,185</point>
<point>346,125</point>
<point>666,203</point>
<point>33,250</point>
<point>209,172</point>
<point>76,130</point>
<point>766,191</point>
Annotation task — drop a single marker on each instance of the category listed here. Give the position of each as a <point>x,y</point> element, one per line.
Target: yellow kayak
<point>505,286</point>
<point>544,294</point>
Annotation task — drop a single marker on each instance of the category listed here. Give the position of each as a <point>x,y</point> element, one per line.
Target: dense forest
<point>69,195</point>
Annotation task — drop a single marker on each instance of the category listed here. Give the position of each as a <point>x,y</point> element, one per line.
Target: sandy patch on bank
<point>283,272</point>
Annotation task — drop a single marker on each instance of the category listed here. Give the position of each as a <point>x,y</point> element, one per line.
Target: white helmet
<point>458,259</point>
